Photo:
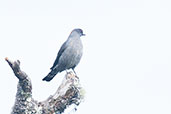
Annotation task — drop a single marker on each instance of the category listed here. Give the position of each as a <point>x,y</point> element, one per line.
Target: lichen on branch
<point>69,92</point>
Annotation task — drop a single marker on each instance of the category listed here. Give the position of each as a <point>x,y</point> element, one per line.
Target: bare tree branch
<point>69,92</point>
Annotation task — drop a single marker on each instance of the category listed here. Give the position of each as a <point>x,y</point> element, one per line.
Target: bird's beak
<point>83,34</point>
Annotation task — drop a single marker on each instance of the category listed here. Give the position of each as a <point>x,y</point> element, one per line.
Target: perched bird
<point>69,54</point>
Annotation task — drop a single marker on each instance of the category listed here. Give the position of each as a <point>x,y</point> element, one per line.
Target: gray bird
<point>69,54</point>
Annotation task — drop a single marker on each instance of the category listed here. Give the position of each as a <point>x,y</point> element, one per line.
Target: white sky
<point>126,66</point>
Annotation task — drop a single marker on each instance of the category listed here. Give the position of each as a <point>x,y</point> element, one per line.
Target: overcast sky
<point>126,65</point>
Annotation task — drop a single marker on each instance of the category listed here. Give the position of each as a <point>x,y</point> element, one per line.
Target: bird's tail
<point>50,76</point>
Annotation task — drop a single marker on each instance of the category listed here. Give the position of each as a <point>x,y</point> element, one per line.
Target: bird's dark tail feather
<point>50,76</point>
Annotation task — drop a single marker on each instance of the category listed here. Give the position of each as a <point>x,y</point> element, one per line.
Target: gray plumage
<point>69,54</point>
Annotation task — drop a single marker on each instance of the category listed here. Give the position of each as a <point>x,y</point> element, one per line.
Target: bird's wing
<point>63,47</point>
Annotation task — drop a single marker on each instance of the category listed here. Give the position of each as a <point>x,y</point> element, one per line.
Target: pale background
<point>126,66</point>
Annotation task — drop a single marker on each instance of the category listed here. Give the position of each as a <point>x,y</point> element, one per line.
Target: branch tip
<point>6,58</point>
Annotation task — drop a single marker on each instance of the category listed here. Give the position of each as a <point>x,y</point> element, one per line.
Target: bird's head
<point>77,32</point>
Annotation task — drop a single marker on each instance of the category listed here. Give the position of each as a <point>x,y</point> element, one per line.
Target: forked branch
<point>69,92</point>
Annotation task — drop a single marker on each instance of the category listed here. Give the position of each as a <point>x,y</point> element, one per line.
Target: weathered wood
<point>69,92</point>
